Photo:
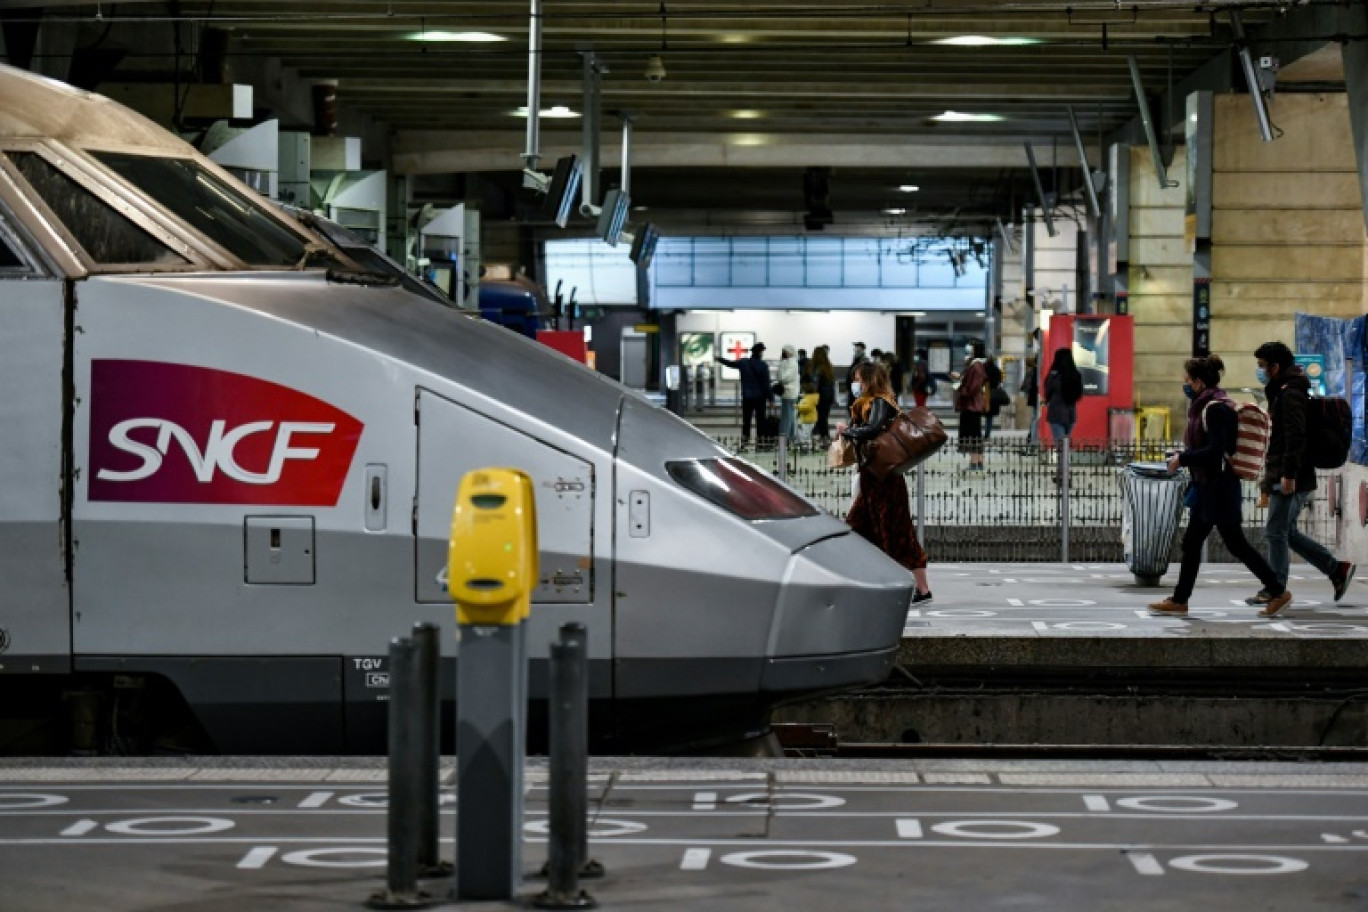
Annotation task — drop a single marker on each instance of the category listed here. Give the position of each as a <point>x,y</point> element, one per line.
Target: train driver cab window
<point>107,236</point>
<point>223,213</point>
<point>740,488</point>
<point>9,259</point>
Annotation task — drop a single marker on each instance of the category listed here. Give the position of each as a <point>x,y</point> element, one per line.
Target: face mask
<point>1189,391</point>
<point>968,351</point>
<point>857,389</point>
<point>1261,375</point>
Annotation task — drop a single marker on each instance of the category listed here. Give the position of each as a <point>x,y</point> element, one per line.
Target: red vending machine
<point>1103,348</point>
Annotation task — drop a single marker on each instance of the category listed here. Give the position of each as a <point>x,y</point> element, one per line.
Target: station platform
<point>1067,654</point>
<point>309,834</point>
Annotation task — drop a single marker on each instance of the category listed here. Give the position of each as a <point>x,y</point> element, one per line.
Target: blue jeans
<point>1281,531</point>
<point>788,418</point>
<point>1058,431</point>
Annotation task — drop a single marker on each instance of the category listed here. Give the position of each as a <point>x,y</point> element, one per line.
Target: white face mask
<point>857,389</point>
<point>968,351</point>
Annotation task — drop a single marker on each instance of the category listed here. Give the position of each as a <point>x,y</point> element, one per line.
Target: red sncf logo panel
<point>175,433</point>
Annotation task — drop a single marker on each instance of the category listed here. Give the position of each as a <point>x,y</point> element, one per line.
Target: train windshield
<point>215,208</point>
<point>740,488</point>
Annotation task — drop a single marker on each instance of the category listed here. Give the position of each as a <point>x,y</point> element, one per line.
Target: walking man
<point>1289,473</point>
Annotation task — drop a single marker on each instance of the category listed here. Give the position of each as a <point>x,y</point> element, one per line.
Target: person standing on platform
<point>1030,386</point>
<point>804,370</point>
<point>755,387</point>
<point>824,378</point>
<point>1063,389</point>
<point>971,401</point>
<point>856,359</point>
<point>1289,473</point>
<point>921,384</point>
<point>881,513</point>
<point>1208,443</point>
<point>790,388</point>
<point>993,374</point>
<point>895,374</point>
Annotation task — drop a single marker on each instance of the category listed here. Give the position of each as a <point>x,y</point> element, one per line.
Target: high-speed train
<point>228,460</point>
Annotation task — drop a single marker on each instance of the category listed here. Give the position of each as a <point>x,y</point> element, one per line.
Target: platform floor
<point>1104,601</point>
<point>713,835</point>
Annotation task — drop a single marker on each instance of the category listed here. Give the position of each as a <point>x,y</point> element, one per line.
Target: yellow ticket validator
<point>492,554</point>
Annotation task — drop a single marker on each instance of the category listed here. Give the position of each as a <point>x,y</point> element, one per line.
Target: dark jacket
<point>1218,488</point>
<point>1288,402</point>
<point>755,376</point>
<point>1031,387</point>
<point>1058,408</point>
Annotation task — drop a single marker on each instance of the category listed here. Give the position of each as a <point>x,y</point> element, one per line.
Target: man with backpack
<point>1298,440</point>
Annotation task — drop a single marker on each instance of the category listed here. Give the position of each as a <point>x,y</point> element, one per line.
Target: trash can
<point>1153,506</point>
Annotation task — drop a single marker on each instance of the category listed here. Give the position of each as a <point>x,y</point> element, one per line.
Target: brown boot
<point>1278,603</point>
<point>1168,606</point>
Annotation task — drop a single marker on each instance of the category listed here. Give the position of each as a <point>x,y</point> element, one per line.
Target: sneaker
<point>1262,597</point>
<point>1344,575</point>
<point>921,598</point>
<point>1278,603</point>
<point>1168,606</point>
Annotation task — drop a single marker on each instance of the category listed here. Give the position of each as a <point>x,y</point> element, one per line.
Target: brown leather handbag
<point>911,438</point>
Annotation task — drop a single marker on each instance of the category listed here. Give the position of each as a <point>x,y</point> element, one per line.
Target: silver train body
<point>228,459</point>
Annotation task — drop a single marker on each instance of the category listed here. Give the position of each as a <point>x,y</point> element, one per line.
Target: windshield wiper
<point>312,252</point>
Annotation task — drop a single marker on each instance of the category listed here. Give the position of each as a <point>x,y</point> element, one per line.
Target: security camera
<point>655,69</point>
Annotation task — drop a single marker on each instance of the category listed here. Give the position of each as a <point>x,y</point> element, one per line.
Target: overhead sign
<point>177,433</point>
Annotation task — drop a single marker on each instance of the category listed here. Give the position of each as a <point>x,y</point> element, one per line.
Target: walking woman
<point>881,513</point>
<point>824,378</point>
<point>1208,443</point>
<point>971,402</point>
<point>1063,389</point>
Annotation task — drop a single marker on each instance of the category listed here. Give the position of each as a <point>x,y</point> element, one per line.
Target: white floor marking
<point>316,799</point>
<point>1097,803</point>
<point>603,828</point>
<point>1145,863</point>
<point>1016,603</point>
<point>321,858</point>
<point>705,801</point>
<point>1062,603</point>
<point>1040,625</point>
<point>170,826</point>
<point>1333,839</point>
<point>257,858</point>
<point>996,829</point>
<point>366,800</point>
<point>909,828</point>
<point>15,801</point>
<point>1238,864</point>
<point>1177,804</point>
<point>787,801</point>
<point>80,828</point>
<point>803,861</point>
<point>695,859</point>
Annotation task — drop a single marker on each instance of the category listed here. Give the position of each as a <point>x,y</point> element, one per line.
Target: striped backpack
<point>1252,428</point>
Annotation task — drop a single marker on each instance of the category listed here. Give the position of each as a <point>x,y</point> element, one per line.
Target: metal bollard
<point>1064,500</point>
<point>568,845</point>
<point>405,789</point>
<point>426,639</point>
<point>782,451</point>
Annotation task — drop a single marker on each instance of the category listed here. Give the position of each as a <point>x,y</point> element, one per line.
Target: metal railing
<point>1017,508</point>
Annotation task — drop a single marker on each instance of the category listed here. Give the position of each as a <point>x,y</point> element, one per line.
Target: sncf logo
<point>173,433</point>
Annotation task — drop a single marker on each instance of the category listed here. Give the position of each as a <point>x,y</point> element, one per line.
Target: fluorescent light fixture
<point>960,117</point>
<point>985,41</point>
<point>748,114</point>
<point>914,313</point>
<point>909,188</point>
<point>473,37</point>
<point>750,139</point>
<point>895,212</point>
<point>736,39</point>
<point>559,112</point>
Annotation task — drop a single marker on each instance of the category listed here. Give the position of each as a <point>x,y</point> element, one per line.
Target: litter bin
<point>1149,521</point>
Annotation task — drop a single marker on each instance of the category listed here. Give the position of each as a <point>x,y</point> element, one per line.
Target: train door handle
<point>377,488</point>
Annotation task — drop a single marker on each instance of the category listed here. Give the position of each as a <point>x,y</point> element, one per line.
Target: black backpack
<point>1329,431</point>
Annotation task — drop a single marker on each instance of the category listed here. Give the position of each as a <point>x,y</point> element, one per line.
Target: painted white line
<point>996,829</point>
<point>257,858</point>
<point>1177,804</point>
<point>170,826</point>
<point>1239,864</point>
<point>80,828</point>
<point>1096,803</point>
<point>771,860</point>
<point>22,801</point>
<point>316,799</point>
<point>1145,863</point>
<point>1040,625</point>
<point>1333,839</point>
<point>909,828</point>
<point>695,859</point>
<point>1016,603</point>
<point>705,801</point>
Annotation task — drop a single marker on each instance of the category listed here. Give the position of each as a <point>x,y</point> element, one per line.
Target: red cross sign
<point>738,350</point>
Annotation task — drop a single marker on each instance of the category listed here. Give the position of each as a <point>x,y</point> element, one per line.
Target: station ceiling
<point>752,94</point>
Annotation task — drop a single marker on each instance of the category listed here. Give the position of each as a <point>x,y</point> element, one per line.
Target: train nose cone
<point>840,618</point>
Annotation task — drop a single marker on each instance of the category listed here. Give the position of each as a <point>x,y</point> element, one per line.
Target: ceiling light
<point>895,212</point>
<point>909,188</point>
<point>750,139</point>
<point>559,112</point>
<point>747,114</point>
<point>736,39</point>
<point>455,36</point>
<point>958,117</point>
<point>984,41</point>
